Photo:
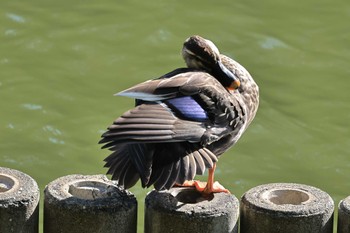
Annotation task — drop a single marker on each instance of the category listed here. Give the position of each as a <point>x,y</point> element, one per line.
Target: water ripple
<point>32,106</point>
<point>51,129</point>
<point>55,132</point>
<point>56,141</point>
<point>16,18</point>
<point>271,43</point>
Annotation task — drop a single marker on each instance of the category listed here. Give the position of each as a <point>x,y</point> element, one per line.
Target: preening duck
<point>182,121</point>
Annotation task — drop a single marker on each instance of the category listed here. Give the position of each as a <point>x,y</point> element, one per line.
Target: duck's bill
<point>231,81</point>
<point>234,85</point>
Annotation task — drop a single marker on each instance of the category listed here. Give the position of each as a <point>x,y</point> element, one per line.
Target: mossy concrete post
<point>78,203</point>
<point>344,216</point>
<point>185,210</point>
<point>287,208</point>
<point>19,202</point>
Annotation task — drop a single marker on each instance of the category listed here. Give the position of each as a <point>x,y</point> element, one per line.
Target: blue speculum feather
<point>187,108</point>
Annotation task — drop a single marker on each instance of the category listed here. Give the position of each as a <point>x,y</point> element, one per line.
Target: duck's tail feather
<point>150,163</point>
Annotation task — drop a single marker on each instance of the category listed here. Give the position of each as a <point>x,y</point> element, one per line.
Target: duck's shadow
<point>189,195</point>
<point>187,200</point>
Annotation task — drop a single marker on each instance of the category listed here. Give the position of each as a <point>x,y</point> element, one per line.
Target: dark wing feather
<point>163,178</point>
<point>200,165</point>
<point>155,126</point>
<point>183,176</point>
<point>134,159</point>
<point>192,167</point>
<point>174,175</point>
<point>129,176</point>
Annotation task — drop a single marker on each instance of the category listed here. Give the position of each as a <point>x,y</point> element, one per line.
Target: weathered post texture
<point>185,210</point>
<point>78,203</point>
<point>19,202</point>
<point>287,208</point>
<point>344,216</point>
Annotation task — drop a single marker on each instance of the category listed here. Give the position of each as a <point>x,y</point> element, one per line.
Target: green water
<point>61,62</point>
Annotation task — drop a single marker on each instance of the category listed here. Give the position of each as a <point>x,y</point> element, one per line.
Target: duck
<point>182,122</point>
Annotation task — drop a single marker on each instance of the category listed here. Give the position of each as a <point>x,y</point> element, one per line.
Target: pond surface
<point>62,61</point>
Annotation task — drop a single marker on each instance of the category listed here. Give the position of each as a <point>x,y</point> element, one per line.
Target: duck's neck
<point>248,89</point>
<point>250,95</point>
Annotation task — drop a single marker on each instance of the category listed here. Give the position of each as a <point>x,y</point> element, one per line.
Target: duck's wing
<point>189,111</point>
<point>152,123</point>
<point>191,106</point>
<point>176,83</point>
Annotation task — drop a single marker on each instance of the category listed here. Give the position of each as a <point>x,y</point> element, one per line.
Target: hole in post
<point>287,196</point>
<point>6,183</point>
<point>88,190</point>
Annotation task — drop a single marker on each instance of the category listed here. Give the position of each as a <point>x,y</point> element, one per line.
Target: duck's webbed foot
<point>209,187</point>
<point>205,187</point>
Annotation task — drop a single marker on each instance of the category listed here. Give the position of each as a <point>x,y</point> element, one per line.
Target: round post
<point>185,210</point>
<point>287,208</point>
<point>344,216</point>
<point>19,202</point>
<point>78,203</point>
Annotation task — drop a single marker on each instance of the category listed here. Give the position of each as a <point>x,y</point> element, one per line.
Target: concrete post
<point>344,216</point>
<point>185,210</point>
<point>78,203</point>
<point>19,202</point>
<point>287,208</point>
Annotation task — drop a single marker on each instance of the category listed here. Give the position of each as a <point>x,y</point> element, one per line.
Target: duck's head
<point>200,53</point>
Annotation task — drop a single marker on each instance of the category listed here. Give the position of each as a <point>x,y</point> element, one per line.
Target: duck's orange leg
<point>207,187</point>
